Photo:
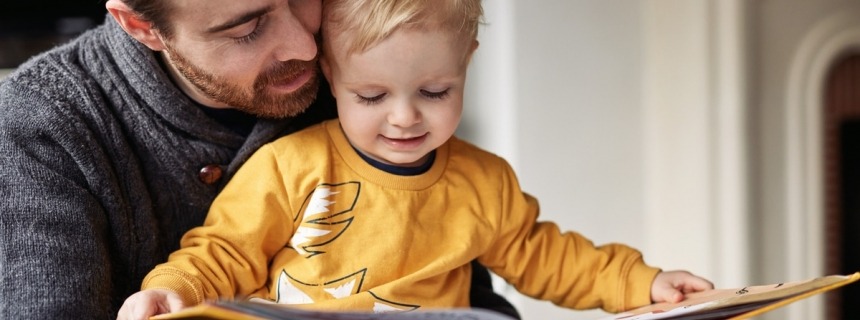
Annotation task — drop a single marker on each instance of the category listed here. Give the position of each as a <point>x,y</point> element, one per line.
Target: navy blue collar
<point>400,171</point>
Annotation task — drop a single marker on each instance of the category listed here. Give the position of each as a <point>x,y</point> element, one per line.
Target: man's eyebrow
<point>239,20</point>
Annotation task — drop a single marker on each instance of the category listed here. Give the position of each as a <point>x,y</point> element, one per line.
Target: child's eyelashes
<point>378,98</point>
<point>437,95</point>
<point>370,100</point>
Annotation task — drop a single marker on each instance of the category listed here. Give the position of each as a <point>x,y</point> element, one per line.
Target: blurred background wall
<point>690,129</point>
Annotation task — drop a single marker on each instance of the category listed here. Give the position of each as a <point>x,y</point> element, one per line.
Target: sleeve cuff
<point>175,280</point>
<point>638,292</point>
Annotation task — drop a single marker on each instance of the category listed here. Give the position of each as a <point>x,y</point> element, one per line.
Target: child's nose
<point>404,115</point>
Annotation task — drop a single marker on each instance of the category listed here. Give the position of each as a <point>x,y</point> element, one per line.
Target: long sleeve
<point>54,257</point>
<point>229,255</point>
<point>563,267</point>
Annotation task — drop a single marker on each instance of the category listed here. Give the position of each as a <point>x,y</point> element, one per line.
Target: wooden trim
<point>841,103</point>
<point>803,193</point>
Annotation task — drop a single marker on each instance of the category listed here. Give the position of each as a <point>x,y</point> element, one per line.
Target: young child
<point>384,209</point>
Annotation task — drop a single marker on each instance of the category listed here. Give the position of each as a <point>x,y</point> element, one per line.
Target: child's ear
<point>326,69</point>
<point>471,51</point>
<point>136,27</point>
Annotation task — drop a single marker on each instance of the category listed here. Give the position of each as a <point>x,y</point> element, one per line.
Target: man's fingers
<point>124,313</point>
<point>174,303</point>
<point>142,311</point>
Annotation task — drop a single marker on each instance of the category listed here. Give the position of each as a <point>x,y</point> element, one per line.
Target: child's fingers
<point>696,284</point>
<point>688,282</point>
<point>673,295</point>
<point>667,291</point>
<point>672,286</point>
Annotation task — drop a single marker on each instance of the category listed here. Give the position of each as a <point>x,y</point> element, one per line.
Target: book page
<point>731,302</point>
<point>247,310</point>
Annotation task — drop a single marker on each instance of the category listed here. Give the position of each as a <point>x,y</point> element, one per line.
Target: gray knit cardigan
<point>100,157</point>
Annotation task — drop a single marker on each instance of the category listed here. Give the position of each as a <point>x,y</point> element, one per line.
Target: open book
<point>248,310</point>
<point>739,303</point>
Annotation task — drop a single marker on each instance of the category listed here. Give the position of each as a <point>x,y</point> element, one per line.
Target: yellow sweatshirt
<point>306,220</point>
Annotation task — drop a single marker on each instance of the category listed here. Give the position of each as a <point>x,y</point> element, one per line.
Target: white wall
<point>579,120</point>
<point>607,110</point>
<point>633,119</point>
<point>555,88</point>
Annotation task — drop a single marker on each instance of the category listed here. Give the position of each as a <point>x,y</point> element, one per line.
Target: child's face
<point>402,98</point>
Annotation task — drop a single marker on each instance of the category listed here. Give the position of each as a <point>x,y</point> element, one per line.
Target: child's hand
<point>147,303</point>
<point>670,286</point>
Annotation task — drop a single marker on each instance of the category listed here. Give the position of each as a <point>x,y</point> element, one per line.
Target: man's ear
<point>134,25</point>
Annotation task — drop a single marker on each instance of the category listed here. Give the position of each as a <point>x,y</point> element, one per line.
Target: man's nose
<point>297,42</point>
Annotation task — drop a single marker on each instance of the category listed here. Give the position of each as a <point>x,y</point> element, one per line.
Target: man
<point>114,145</point>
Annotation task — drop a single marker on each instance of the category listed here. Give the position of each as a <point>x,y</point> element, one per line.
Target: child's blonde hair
<point>367,22</point>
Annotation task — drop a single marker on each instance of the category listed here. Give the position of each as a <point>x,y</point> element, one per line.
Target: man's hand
<point>147,303</point>
<point>671,286</point>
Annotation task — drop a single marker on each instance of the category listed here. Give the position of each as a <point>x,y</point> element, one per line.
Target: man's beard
<point>260,101</point>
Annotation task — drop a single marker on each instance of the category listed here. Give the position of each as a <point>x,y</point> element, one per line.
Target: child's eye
<point>439,95</point>
<point>370,100</point>
<point>250,37</point>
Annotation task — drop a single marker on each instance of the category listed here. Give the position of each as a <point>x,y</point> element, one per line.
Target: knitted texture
<point>99,162</point>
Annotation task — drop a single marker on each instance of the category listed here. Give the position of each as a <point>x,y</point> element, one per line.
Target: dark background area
<point>850,138</point>
<point>28,27</point>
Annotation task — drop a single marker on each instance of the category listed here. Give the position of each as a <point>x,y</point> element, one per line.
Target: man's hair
<point>154,11</point>
<point>370,21</point>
